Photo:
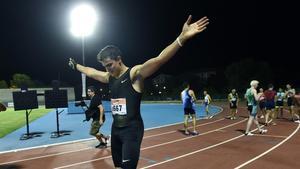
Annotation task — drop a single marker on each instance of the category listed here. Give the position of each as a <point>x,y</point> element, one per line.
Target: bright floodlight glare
<point>83,20</point>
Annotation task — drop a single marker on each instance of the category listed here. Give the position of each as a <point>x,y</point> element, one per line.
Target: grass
<point>11,120</point>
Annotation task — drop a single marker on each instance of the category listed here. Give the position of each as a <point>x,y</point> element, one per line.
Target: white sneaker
<point>211,117</point>
<point>262,131</point>
<point>249,134</point>
<point>108,141</point>
<point>297,121</point>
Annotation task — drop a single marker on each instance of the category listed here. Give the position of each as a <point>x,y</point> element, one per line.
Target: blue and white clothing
<point>206,100</point>
<point>187,100</point>
<point>280,96</point>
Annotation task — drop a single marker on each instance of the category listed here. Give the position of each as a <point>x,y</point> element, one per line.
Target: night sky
<point>35,36</point>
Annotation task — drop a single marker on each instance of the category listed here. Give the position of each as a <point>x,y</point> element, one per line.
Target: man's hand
<point>72,63</point>
<point>191,29</point>
<point>100,121</point>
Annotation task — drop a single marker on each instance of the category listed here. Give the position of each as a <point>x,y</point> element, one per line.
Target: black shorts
<point>250,108</point>
<point>270,104</point>
<point>279,103</point>
<point>126,144</point>
<point>233,105</point>
<point>188,111</point>
<point>290,102</point>
<point>262,105</point>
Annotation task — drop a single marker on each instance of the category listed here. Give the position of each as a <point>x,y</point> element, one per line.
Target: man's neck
<point>122,70</point>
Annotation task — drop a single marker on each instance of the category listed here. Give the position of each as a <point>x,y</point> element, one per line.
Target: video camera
<point>88,113</point>
<point>80,103</point>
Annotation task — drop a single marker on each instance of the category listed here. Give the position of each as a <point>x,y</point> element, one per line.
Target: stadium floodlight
<point>83,22</point>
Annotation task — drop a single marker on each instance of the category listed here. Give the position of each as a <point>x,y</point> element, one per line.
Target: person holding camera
<point>96,112</point>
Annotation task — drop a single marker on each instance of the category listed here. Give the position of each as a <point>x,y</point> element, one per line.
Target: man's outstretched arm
<point>188,31</point>
<point>90,72</point>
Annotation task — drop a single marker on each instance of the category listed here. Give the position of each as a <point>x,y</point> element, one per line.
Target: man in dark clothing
<point>126,85</point>
<point>96,112</point>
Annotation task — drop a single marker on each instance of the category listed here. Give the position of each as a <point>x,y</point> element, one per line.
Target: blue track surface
<point>154,115</point>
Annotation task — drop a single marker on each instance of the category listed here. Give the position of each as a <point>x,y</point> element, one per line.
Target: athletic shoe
<point>186,133</point>
<point>249,134</point>
<point>194,133</point>
<point>108,140</point>
<point>101,145</point>
<point>262,131</point>
<point>297,121</point>
<point>211,117</point>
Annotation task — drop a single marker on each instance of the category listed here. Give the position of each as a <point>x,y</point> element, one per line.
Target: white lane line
<point>44,156</point>
<point>186,138</point>
<point>145,148</point>
<point>88,148</point>
<point>266,135</point>
<point>271,149</point>
<point>91,139</point>
<point>47,145</point>
<point>174,131</point>
<point>197,151</point>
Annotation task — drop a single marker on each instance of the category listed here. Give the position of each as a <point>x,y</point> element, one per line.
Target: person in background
<point>207,101</point>
<point>188,100</point>
<point>252,98</point>
<point>97,114</point>
<point>233,100</point>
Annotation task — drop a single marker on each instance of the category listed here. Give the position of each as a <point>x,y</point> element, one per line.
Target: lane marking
<point>88,148</point>
<point>92,139</point>
<point>174,131</point>
<point>145,148</point>
<point>271,149</point>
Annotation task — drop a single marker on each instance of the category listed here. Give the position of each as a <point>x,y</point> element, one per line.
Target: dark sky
<point>35,37</point>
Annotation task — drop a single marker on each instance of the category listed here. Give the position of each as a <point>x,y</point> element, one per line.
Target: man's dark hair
<point>109,52</point>
<point>270,86</point>
<point>92,89</point>
<point>185,84</point>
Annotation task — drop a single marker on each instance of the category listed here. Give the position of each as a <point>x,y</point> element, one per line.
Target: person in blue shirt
<point>188,99</point>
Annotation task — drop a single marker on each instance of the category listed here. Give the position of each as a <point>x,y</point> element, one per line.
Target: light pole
<point>83,22</point>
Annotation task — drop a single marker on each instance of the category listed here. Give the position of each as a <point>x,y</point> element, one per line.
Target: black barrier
<point>57,99</point>
<point>26,100</point>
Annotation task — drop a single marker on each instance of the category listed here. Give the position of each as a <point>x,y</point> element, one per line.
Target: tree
<point>21,79</point>
<point>3,84</point>
<point>240,74</point>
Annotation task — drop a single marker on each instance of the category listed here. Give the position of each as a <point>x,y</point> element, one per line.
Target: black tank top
<point>123,94</point>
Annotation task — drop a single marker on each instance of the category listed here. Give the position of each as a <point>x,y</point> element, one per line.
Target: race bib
<point>118,106</point>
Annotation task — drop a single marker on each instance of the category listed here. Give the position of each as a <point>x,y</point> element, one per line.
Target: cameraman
<point>98,116</point>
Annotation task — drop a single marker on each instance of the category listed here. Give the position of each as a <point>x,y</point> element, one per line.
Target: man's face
<point>288,86</point>
<point>90,93</point>
<point>112,66</point>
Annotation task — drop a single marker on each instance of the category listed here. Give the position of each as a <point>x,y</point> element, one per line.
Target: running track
<point>221,144</point>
